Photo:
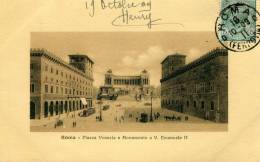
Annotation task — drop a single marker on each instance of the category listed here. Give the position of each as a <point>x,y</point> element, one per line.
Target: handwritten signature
<point>132,13</point>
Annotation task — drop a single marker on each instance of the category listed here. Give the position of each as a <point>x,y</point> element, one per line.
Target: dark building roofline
<point>82,56</point>
<point>176,54</point>
<point>205,58</point>
<point>51,56</point>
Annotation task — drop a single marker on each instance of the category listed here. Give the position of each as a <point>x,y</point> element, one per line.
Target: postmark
<point>238,27</point>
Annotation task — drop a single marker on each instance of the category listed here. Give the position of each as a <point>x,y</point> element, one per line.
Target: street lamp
<point>151,115</point>
<point>100,110</point>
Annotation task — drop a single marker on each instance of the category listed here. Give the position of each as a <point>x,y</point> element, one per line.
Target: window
<point>61,73</point>
<point>66,90</point>
<point>57,72</point>
<point>188,104</point>
<point>57,89</point>
<point>46,67</point>
<point>202,104</point>
<point>212,106</point>
<point>195,104</point>
<point>212,87</point>
<point>32,88</point>
<point>51,70</point>
<point>51,89</point>
<point>61,89</point>
<point>46,88</point>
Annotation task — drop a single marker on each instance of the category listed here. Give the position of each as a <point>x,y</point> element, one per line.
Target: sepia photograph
<point>128,82</point>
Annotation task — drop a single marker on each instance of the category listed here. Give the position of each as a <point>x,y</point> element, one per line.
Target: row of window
<point>64,74</point>
<point>188,104</point>
<point>67,83</point>
<point>204,87</point>
<point>50,89</point>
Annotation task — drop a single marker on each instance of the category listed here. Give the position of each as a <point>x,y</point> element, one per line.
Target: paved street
<point>122,116</point>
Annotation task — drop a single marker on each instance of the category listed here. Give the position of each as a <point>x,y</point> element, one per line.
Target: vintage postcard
<point>113,80</point>
<point>159,85</point>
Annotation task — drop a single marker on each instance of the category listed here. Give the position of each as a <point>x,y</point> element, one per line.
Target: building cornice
<point>44,53</point>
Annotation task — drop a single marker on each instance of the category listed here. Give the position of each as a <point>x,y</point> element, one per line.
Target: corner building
<point>199,88</point>
<point>58,87</point>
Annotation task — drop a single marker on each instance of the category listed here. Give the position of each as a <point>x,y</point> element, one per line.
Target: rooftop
<point>208,56</point>
<point>81,55</point>
<point>44,52</point>
<point>173,55</point>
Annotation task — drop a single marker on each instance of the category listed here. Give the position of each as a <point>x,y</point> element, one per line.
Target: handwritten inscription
<point>131,12</point>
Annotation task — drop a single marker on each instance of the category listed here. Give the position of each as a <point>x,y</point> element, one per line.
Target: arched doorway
<point>56,108</point>
<point>32,110</point>
<point>69,106</point>
<point>46,110</point>
<point>80,104</point>
<point>61,107</point>
<point>51,109</point>
<point>66,106</point>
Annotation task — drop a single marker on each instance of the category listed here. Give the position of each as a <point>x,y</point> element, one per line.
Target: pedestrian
<point>136,119</point>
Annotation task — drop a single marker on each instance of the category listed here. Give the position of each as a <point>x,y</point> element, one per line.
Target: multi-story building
<point>124,85</point>
<point>199,88</point>
<point>58,87</point>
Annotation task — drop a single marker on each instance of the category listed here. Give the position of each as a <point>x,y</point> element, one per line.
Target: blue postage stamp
<point>238,21</point>
<point>238,16</point>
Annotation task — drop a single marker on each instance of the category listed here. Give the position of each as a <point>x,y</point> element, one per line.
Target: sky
<point>126,53</point>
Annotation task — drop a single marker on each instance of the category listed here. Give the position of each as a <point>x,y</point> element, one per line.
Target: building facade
<point>58,87</point>
<point>199,88</point>
<point>126,85</point>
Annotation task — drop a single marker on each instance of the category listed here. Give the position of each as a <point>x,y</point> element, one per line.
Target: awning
<point>83,100</point>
